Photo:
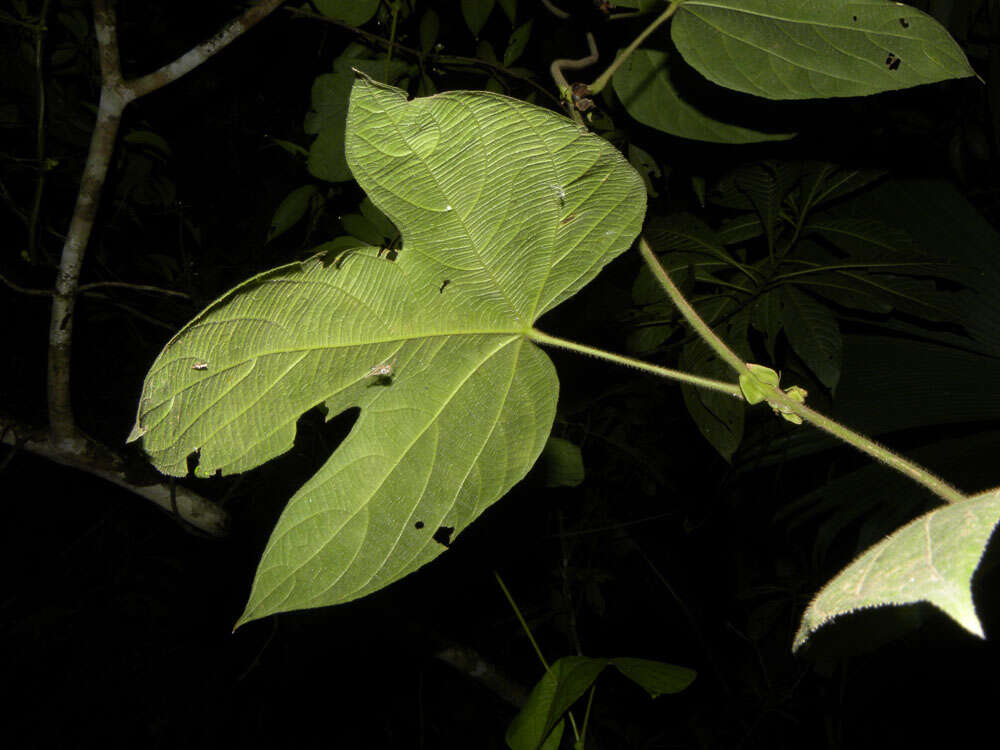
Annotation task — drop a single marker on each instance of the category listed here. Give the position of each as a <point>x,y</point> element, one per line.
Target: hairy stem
<point>664,372</point>
<point>602,80</point>
<point>777,397</point>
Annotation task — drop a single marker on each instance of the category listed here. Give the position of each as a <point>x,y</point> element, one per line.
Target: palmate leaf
<point>931,559</point>
<point>505,211</point>
<point>813,333</point>
<point>805,49</point>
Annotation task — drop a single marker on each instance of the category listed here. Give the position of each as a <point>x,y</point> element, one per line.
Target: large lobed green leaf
<point>931,559</point>
<point>505,210</point>
<point>804,49</point>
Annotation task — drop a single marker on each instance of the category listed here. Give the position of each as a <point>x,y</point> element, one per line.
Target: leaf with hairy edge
<point>791,49</point>
<point>931,559</point>
<point>813,333</point>
<point>644,86</point>
<point>505,211</point>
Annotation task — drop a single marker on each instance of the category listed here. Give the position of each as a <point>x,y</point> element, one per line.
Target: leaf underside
<point>505,210</point>
<point>796,49</point>
<point>931,559</point>
<point>644,85</point>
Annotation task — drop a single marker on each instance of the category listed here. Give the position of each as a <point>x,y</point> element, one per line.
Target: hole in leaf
<point>904,23</point>
<point>317,435</point>
<point>418,525</point>
<point>192,461</point>
<point>443,535</point>
<point>892,62</point>
<point>855,19</point>
<point>444,283</point>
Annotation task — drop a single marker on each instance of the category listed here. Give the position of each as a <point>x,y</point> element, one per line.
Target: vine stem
<point>664,372</point>
<point>531,638</point>
<point>602,80</point>
<point>777,397</point>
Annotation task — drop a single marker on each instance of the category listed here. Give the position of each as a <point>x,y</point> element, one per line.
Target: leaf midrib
<point>273,384</point>
<point>390,467</point>
<point>512,308</point>
<point>798,21</point>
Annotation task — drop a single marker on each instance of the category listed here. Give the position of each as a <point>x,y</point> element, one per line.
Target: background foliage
<point>709,566</point>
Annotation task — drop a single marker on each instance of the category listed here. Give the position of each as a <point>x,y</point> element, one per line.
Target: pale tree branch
<point>64,439</point>
<point>191,508</point>
<point>467,661</point>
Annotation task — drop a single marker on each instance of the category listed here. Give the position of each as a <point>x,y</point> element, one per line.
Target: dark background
<point>116,620</point>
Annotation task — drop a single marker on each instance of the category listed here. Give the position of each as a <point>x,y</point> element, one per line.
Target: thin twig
<point>602,80</point>
<point>25,290</point>
<point>116,94</point>
<point>43,165</point>
<point>556,70</point>
<point>134,287</point>
<point>64,443</point>
<point>172,327</point>
<point>560,14</point>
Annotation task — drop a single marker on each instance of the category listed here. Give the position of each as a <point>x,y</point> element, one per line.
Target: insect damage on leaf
<point>443,535</point>
<point>455,401</point>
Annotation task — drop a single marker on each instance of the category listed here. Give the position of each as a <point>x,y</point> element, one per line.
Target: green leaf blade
<point>788,49</point>
<point>565,682</point>
<point>463,187</point>
<point>931,559</point>
<point>644,85</point>
<point>813,333</point>
<point>368,517</point>
<point>354,12</point>
<point>291,210</point>
<point>476,12</point>
<point>655,677</point>
<point>455,402</point>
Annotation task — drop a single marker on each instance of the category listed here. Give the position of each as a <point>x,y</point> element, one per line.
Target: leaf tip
<point>137,432</point>
<point>964,613</point>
